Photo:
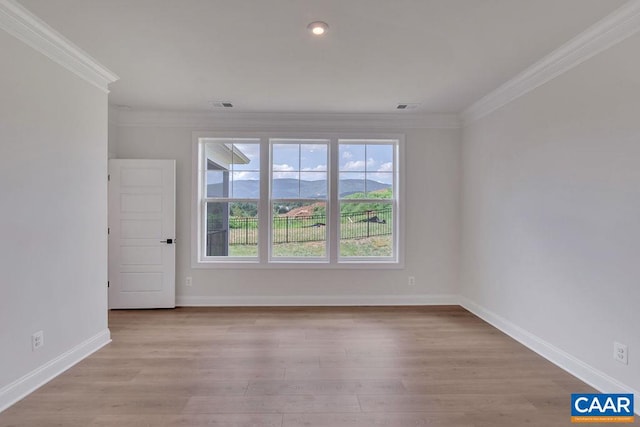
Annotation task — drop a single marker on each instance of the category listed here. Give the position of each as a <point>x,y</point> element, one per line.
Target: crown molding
<point>28,28</point>
<point>267,121</point>
<point>614,28</point>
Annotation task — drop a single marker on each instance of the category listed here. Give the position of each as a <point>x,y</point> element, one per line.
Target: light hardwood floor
<point>285,367</point>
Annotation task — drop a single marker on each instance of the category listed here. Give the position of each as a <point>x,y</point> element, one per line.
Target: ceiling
<point>258,54</point>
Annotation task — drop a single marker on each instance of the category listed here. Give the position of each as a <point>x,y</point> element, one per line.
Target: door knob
<point>168,241</point>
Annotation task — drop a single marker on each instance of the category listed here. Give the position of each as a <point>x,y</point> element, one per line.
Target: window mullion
<point>264,205</point>
<point>202,193</point>
<point>333,208</point>
<point>203,224</point>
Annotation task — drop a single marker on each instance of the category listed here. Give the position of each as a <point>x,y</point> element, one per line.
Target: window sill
<point>293,265</point>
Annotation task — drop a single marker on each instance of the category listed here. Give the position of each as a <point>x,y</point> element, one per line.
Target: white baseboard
<point>15,391</point>
<point>315,300</point>
<point>576,367</point>
<point>27,384</point>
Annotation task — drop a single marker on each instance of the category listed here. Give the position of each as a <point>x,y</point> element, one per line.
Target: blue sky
<point>373,161</point>
<point>308,162</point>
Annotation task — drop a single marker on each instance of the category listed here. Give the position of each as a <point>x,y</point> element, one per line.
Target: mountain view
<point>288,188</point>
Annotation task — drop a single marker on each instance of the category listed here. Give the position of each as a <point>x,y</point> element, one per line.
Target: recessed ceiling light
<point>318,28</point>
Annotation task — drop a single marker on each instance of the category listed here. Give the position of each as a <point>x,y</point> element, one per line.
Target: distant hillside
<point>288,188</point>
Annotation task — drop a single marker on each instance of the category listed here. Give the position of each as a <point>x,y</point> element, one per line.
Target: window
<point>366,193</point>
<point>296,200</point>
<point>299,199</point>
<point>230,197</point>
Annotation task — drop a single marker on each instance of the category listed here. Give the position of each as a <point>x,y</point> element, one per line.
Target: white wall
<point>551,215</point>
<point>53,205</point>
<point>432,243</point>
<point>112,139</point>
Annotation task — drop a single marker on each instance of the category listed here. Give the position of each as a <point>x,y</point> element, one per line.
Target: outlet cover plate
<point>621,353</point>
<point>37,340</point>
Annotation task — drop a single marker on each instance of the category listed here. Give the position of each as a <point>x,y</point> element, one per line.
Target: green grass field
<point>372,246</point>
<point>299,233</point>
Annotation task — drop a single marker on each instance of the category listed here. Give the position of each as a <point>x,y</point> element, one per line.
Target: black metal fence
<point>287,229</point>
<point>312,228</point>
<point>366,224</point>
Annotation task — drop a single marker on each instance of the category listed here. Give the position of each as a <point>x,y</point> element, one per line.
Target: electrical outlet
<point>412,281</point>
<point>188,281</point>
<point>37,341</point>
<point>621,353</point>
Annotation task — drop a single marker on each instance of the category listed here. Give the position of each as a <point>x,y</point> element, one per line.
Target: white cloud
<point>358,165</point>
<point>241,176</point>
<point>386,167</point>
<point>285,175</point>
<point>347,155</point>
<point>319,168</point>
<point>385,178</point>
<point>353,165</point>
<point>282,168</point>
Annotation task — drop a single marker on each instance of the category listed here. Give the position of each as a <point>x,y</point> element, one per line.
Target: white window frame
<point>203,200</point>
<point>264,259</point>
<point>394,201</point>
<point>298,260</point>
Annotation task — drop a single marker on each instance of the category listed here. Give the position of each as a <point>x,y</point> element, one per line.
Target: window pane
<point>380,171</point>
<point>352,157</point>
<point>286,157</point>
<point>380,157</point>
<point>366,229</point>
<point>313,185</point>
<point>217,243</point>
<point>233,169</point>
<point>285,185</point>
<point>313,157</point>
<point>373,168</point>
<point>379,185</point>
<point>247,157</point>
<point>352,185</point>
<point>232,229</point>
<point>385,178</point>
<point>217,183</point>
<point>246,185</point>
<point>299,170</point>
<point>299,229</point>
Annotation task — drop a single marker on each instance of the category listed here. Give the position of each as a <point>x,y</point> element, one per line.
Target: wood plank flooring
<point>289,367</point>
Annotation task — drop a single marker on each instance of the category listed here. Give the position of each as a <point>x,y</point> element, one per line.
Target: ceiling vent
<point>404,106</point>
<point>222,104</point>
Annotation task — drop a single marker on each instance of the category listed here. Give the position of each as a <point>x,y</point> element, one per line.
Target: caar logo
<point>602,408</point>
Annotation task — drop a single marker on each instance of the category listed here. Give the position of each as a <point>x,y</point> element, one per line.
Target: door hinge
<point>108,177</point>
<point>108,230</point>
<point>108,284</point>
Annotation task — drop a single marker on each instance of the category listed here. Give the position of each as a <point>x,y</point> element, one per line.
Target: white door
<point>142,245</point>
